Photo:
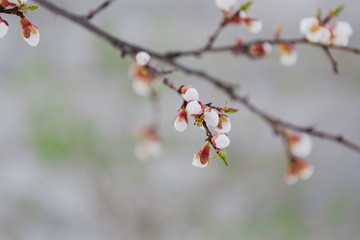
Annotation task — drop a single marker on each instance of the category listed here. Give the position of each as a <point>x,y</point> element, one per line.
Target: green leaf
<point>222,155</point>
<point>336,12</point>
<point>230,110</point>
<point>27,8</point>
<point>245,6</point>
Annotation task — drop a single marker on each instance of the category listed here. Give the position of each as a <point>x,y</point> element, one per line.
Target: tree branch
<point>229,89</point>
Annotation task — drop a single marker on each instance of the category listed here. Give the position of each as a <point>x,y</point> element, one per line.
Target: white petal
<point>343,28</point>
<point>255,26</point>
<point>302,148</point>
<point>325,35</point>
<point>221,141</point>
<point>190,94</point>
<point>321,35</point>
<point>141,88</point>
<point>196,162</point>
<point>307,172</point>
<point>180,125</point>
<point>211,118</point>
<point>307,23</point>
<point>340,40</point>
<point>33,39</point>
<point>226,5</point>
<point>3,29</point>
<point>194,108</point>
<point>288,59</point>
<point>142,58</point>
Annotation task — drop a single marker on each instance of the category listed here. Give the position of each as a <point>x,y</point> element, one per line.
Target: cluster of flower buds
<point>29,32</point>
<point>257,50</point>
<point>316,30</point>
<point>238,16</point>
<point>149,144</point>
<point>300,147</point>
<point>145,79</point>
<point>208,118</point>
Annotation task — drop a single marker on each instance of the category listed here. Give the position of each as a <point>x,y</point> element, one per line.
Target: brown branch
<point>229,89</point>
<point>334,63</point>
<point>97,10</point>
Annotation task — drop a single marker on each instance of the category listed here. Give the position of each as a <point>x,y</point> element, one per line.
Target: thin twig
<point>334,63</point>
<point>97,10</point>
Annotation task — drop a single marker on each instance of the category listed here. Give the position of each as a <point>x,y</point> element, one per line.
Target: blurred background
<point>69,117</point>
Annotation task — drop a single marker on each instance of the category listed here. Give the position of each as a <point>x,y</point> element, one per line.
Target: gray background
<point>68,119</point>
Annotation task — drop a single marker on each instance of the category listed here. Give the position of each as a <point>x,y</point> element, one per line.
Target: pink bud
<point>30,32</point>
<point>181,121</point>
<point>189,93</point>
<point>260,49</point>
<point>201,159</point>
<point>194,107</point>
<point>220,140</point>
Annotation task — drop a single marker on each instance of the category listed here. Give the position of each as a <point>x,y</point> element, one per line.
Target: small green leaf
<point>336,12</point>
<point>245,6</point>
<point>222,155</point>
<point>26,8</point>
<point>230,110</point>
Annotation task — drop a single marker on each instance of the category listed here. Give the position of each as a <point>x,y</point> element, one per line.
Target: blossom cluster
<point>149,144</point>
<point>208,118</point>
<point>317,31</point>
<point>29,32</point>
<point>300,147</point>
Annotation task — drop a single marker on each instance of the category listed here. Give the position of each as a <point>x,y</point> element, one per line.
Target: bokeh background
<point>69,116</point>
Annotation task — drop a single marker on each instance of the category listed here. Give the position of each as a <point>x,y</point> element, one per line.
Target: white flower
<point>211,117</point>
<point>300,144</point>
<point>194,107</point>
<point>147,149</point>
<point>142,58</point>
<point>189,93</point>
<point>287,54</point>
<point>298,169</point>
<point>220,140</point>
<point>4,27</point>
<point>201,158</point>
<point>226,5</point>
<point>254,26</point>
<point>30,32</point>
<point>181,121</point>
<point>313,30</point>
<point>141,88</point>
<point>224,125</point>
<point>341,32</point>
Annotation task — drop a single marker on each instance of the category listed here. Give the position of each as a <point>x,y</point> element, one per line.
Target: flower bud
<point>224,125</point>
<point>341,32</point>
<point>300,144</point>
<point>194,107</point>
<point>287,54</point>
<point>142,58</point>
<point>220,140</point>
<point>189,93</point>
<point>181,121</point>
<point>254,25</point>
<point>201,159</point>
<point>211,117</point>
<point>30,32</point>
<point>260,49</point>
